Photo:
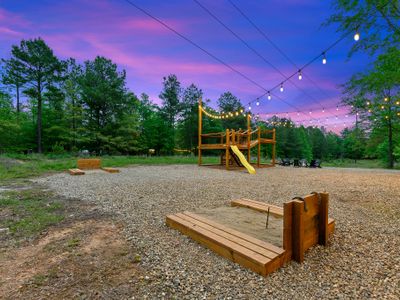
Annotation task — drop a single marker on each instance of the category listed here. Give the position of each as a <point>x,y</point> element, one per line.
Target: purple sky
<point>85,28</point>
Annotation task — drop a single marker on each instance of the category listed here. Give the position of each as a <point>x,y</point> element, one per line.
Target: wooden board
<point>110,170</point>
<point>89,163</point>
<point>275,210</point>
<point>76,172</point>
<point>257,255</point>
<point>259,206</point>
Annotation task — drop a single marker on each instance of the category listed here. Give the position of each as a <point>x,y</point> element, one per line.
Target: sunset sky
<point>148,51</point>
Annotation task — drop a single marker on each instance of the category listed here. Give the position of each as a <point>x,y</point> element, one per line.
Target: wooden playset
<point>305,223</point>
<point>90,164</point>
<point>232,143</point>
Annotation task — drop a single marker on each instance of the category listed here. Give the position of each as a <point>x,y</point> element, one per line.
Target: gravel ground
<point>361,261</point>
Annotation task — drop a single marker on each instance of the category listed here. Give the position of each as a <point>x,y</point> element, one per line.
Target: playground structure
<point>305,223</point>
<point>232,143</point>
<point>90,164</point>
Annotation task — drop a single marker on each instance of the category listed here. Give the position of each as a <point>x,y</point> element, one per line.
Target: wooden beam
<point>298,231</point>
<point>76,172</point>
<point>89,163</point>
<point>287,230</point>
<point>323,219</point>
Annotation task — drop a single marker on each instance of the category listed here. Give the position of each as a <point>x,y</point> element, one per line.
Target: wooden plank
<point>76,172</point>
<point>298,231</point>
<point>331,226</point>
<point>323,219</point>
<point>89,163</point>
<point>223,247</point>
<point>287,229</point>
<point>110,170</point>
<point>240,241</point>
<point>258,206</point>
<point>236,233</point>
<point>275,207</point>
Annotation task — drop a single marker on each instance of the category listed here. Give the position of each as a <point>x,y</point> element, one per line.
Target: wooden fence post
<point>227,149</point>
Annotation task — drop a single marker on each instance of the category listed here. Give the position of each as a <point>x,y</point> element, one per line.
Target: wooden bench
<point>259,256</point>
<point>76,172</point>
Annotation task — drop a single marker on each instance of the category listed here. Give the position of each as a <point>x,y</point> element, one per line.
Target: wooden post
<point>259,146</point>
<point>248,137</point>
<point>298,231</point>
<point>233,137</point>
<point>323,219</point>
<point>200,130</point>
<point>273,146</point>
<point>287,230</point>
<point>227,149</point>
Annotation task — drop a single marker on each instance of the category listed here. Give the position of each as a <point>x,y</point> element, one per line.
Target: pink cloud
<point>8,31</point>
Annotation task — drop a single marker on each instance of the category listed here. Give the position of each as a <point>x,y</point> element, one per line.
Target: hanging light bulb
<point>386,99</point>
<point>300,75</point>
<point>337,108</point>
<point>249,107</point>
<point>281,89</point>
<point>269,95</point>
<point>310,112</point>
<point>298,114</point>
<point>368,103</point>
<point>258,103</point>
<point>356,36</point>
<point>323,110</point>
<point>241,111</point>
<point>323,58</point>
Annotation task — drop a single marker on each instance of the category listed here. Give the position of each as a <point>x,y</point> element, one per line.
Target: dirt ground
<point>84,256</point>
<point>248,221</point>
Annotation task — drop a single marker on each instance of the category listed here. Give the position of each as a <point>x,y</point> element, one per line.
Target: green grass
<point>25,166</point>
<point>31,212</point>
<point>349,163</point>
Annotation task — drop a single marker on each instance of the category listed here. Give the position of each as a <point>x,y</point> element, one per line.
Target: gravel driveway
<point>362,260</point>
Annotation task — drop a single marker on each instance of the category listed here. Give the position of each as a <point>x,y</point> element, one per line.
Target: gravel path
<point>362,260</point>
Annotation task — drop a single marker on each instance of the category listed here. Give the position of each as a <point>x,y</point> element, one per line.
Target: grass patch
<point>32,212</point>
<point>25,166</point>
<point>349,163</point>
<point>73,243</point>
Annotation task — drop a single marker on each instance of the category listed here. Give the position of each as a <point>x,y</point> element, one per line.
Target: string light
<point>281,89</point>
<point>249,107</point>
<point>300,75</point>
<point>357,36</point>
<point>386,99</point>
<point>323,58</point>
<point>323,110</point>
<point>269,95</point>
<point>258,103</point>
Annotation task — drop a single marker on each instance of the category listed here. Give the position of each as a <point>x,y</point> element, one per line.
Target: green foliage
<point>377,21</point>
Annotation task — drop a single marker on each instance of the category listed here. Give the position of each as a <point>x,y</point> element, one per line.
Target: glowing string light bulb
<point>281,89</point>
<point>300,75</point>
<point>324,58</point>
<point>258,103</point>
<point>357,36</point>
<point>249,107</point>
<point>269,95</point>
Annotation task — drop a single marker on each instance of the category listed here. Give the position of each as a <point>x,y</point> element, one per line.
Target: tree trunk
<point>18,104</point>
<point>39,119</point>
<point>390,148</point>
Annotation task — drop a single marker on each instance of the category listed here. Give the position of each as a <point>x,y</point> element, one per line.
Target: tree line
<point>68,107</point>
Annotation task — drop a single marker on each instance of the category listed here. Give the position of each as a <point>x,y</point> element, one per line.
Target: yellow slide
<point>243,160</point>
